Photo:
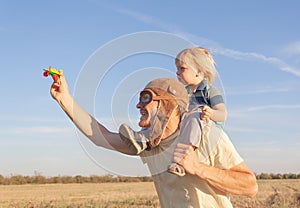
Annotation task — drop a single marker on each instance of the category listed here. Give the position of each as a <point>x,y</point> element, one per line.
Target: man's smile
<point>144,114</point>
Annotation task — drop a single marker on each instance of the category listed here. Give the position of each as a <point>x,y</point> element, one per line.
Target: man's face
<point>147,111</point>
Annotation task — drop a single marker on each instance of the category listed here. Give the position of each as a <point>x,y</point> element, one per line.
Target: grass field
<point>272,193</point>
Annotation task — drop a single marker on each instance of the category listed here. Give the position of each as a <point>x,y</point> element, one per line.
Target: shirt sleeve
<point>226,155</point>
<point>215,96</point>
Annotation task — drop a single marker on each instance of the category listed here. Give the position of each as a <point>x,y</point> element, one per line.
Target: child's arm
<point>217,113</point>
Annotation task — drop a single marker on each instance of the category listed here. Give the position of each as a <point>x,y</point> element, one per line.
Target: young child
<point>196,69</point>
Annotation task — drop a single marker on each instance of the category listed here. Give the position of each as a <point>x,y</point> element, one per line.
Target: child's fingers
<point>205,108</point>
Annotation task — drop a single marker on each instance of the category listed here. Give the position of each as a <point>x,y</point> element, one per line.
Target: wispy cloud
<point>147,19</point>
<point>268,107</point>
<point>241,130</point>
<point>36,130</point>
<point>293,48</point>
<point>214,46</point>
<point>246,111</point>
<point>258,91</point>
<point>268,90</point>
<point>7,118</point>
<point>166,26</point>
<point>280,64</point>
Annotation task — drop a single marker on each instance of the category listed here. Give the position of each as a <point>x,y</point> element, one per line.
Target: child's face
<point>187,75</point>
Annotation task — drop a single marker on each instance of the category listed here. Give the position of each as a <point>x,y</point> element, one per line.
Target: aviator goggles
<point>147,96</point>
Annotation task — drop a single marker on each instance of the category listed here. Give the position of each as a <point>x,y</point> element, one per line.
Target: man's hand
<point>186,156</point>
<point>236,180</point>
<point>59,89</point>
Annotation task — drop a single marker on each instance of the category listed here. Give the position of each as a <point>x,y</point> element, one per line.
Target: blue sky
<point>256,46</point>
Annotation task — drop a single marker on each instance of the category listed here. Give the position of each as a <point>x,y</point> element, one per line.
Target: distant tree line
<point>278,176</point>
<point>39,179</point>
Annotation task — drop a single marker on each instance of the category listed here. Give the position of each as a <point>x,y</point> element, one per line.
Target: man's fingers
<point>177,158</point>
<point>181,151</point>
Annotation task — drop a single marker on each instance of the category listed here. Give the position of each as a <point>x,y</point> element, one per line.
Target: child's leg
<point>137,142</point>
<point>191,133</point>
<point>148,138</point>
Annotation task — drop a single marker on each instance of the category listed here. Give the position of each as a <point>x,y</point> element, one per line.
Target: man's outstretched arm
<point>88,125</point>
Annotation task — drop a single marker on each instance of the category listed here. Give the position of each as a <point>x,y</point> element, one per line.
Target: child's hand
<point>206,112</point>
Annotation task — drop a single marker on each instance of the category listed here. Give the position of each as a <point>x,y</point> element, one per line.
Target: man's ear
<point>168,106</point>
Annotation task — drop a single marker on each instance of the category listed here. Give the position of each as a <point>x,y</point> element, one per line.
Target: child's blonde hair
<point>200,60</point>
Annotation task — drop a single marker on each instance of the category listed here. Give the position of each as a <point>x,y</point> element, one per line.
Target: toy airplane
<point>53,72</point>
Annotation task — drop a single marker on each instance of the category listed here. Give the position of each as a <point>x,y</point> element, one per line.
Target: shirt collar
<point>200,87</point>
<point>170,138</point>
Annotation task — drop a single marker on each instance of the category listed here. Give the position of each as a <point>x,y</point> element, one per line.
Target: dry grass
<point>272,193</point>
<point>79,195</point>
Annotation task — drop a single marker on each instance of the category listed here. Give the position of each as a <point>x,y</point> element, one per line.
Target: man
<point>162,104</point>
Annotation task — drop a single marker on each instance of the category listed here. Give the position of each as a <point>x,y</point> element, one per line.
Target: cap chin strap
<point>161,120</point>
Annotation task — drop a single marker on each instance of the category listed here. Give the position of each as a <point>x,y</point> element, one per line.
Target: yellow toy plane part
<point>53,72</point>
